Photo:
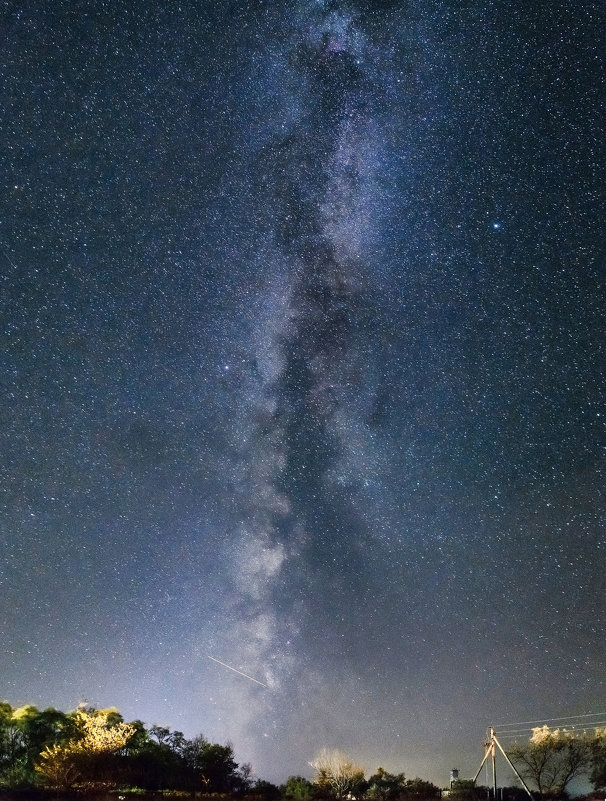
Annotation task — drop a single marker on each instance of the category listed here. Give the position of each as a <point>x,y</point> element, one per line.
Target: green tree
<point>24,732</point>
<point>419,788</point>
<point>13,748</point>
<point>219,767</point>
<point>298,788</point>
<point>155,759</point>
<point>213,765</point>
<point>384,786</point>
<point>161,734</point>
<point>466,790</point>
<point>155,767</point>
<point>139,739</point>
<point>265,790</point>
<point>245,781</point>
<point>48,727</point>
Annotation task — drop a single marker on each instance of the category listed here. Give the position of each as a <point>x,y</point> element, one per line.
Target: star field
<point>302,311</point>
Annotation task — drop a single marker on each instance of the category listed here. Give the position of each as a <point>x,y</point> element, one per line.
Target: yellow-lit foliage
<point>97,734</point>
<point>24,711</point>
<point>57,766</point>
<point>61,765</point>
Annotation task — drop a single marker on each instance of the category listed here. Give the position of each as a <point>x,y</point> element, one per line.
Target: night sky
<point>303,316</point>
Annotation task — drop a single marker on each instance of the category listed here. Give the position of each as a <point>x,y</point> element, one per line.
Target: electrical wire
<point>550,720</point>
<point>581,725</point>
<point>523,734</point>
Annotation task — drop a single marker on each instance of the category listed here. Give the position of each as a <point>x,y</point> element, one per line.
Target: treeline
<point>339,777</point>
<point>95,749</point>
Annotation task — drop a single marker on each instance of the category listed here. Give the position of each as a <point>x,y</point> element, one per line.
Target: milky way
<point>305,437</point>
<point>303,370</point>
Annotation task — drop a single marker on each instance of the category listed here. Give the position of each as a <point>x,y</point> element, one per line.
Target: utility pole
<point>493,752</point>
<point>491,746</point>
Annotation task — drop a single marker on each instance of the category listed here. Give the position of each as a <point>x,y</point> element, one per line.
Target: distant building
<point>454,776</point>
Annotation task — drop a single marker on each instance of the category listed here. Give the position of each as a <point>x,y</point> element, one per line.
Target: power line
<point>550,720</point>
<point>517,738</point>
<point>586,725</point>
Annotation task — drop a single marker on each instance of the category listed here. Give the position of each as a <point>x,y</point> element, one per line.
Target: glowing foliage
<point>57,767</point>
<point>99,734</point>
<point>95,734</point>
<point>337,772</point>
<point>552,758</point>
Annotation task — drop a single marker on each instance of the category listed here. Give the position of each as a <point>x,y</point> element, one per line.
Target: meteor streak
<point>239,672</point>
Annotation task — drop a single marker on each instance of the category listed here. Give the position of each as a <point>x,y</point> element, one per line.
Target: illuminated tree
<point>58,767</point>
<point>337,773</point>
<point>552,758</point>
<point>98,735</point>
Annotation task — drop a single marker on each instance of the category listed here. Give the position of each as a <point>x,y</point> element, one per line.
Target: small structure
<point>454,776</point>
